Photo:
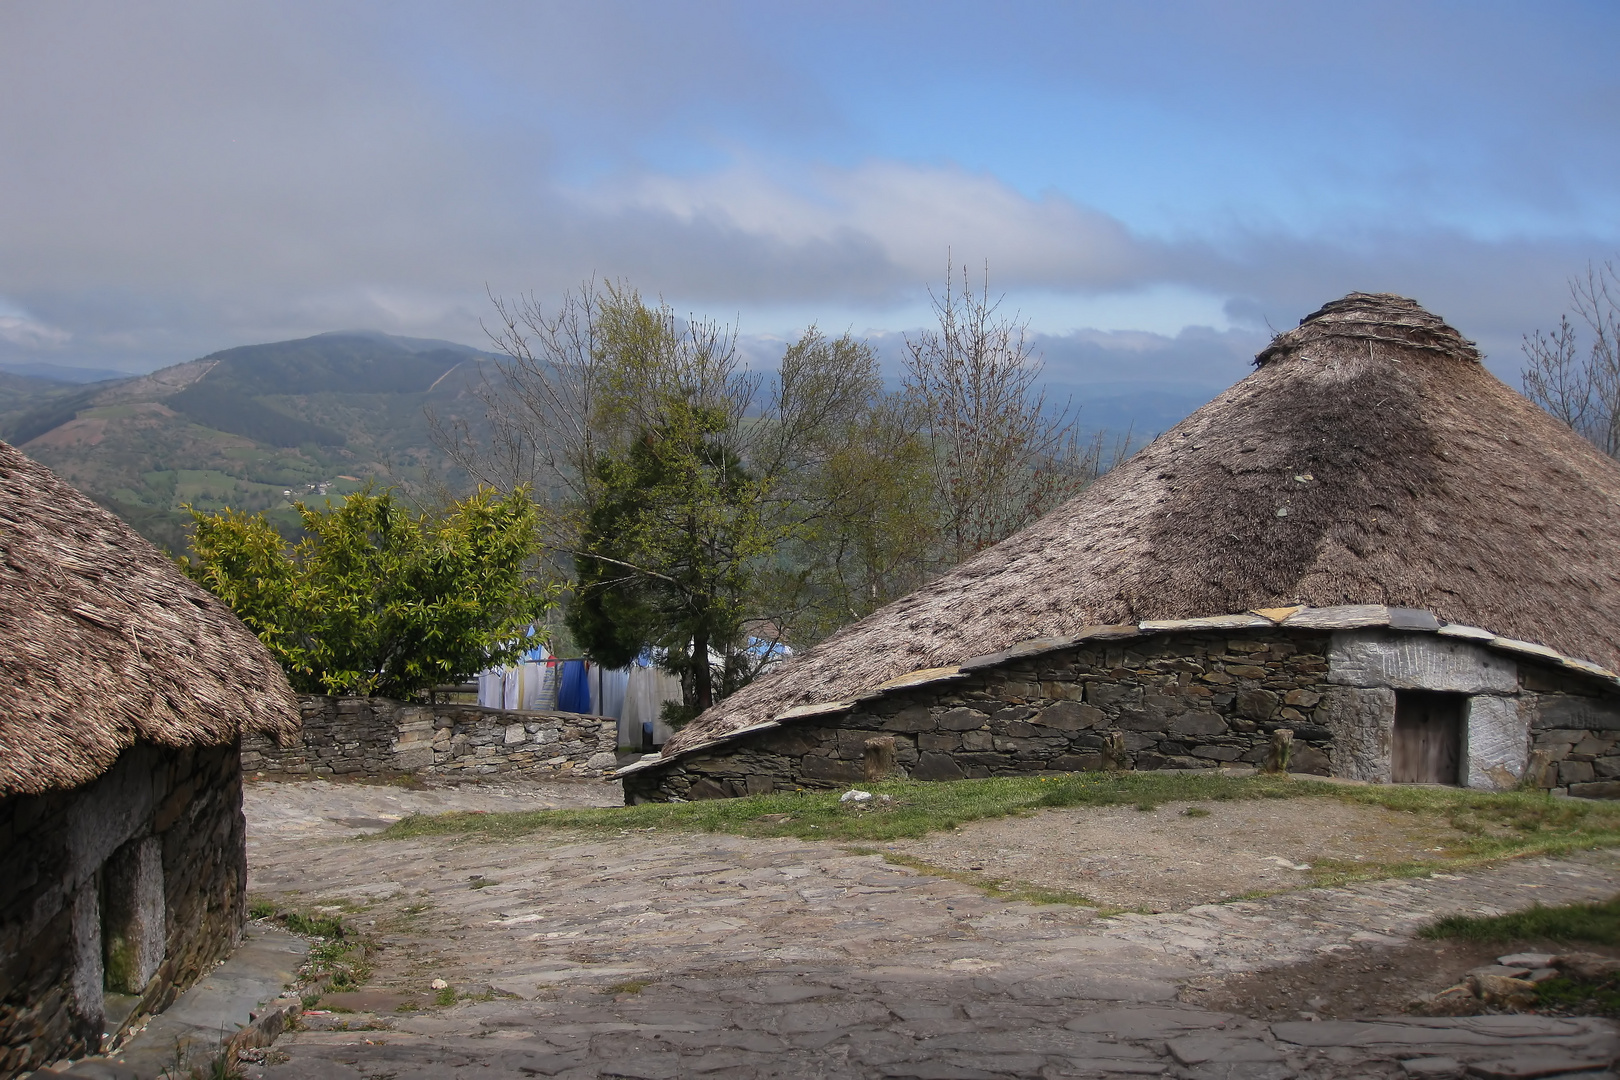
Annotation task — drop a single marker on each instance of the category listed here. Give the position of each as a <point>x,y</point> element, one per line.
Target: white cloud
<point>909,213</point>
<point>187,176</point>
<point>19,329</point>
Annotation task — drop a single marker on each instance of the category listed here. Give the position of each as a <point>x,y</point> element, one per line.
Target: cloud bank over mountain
<point>1150,186</point>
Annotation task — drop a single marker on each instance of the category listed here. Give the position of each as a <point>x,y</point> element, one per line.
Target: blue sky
<point>1151,184</point>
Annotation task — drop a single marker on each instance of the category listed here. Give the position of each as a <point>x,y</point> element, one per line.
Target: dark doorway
<point>1428,737</point>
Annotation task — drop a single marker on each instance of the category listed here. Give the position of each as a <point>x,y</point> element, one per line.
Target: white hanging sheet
<point>607,690</point>
<point>645,692</point>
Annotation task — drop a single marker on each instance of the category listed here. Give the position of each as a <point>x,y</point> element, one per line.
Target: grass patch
<point>336,961</point>
<point>321,926</point>
<point>631,986</point>
<point>1578,997</point>
<point>337,965</point>
<point>1597,923</point>
<point>316,926</point>
<point>1000,888</point>
<point>1585,924</point>
<point>1486,826</point>
<point>914,808</point>
<point>447,996</point>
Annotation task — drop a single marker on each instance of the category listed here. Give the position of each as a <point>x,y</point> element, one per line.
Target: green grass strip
<point>1597,923</point>
<point>1489,825</point>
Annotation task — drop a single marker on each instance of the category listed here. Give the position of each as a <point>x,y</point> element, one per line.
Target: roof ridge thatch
<point>1370,458</point>
<point>104,642</point>
<point>1379,318</point>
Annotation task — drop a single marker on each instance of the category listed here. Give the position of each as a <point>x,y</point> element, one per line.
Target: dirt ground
<point>1359,981</point>
<point>1164,860</point>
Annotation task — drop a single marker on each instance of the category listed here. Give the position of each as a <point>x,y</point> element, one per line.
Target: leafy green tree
<point>667,553</point>
<point>852,487</point>
<point>376,600</point>
<point>696,505</point>
<point>690,497</point>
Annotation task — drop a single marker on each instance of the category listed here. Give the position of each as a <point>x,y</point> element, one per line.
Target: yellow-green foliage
<point>377,600</point>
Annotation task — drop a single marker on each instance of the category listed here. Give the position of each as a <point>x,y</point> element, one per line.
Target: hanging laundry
<point>492,688</point>
<point>573,693</point>
<point>607,690</point>
<point>646,690</point>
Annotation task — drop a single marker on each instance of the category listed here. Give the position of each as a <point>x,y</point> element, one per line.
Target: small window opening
<point>1428,737</point>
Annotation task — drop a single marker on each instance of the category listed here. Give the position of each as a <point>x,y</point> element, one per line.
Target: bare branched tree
<point>1002,457</point>
<point>1582,388</point>
<point>573,383</point>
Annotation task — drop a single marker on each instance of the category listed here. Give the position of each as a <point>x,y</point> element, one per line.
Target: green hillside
<point>253,428</point>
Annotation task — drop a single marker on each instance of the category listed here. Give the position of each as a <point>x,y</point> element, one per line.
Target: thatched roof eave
<point>104,643</point>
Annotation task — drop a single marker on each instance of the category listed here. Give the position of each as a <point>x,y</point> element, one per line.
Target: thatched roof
<point>104,642</point>
<point>1370,459</point>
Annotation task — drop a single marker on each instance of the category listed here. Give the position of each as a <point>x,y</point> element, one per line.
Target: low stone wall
<point>1184,700</point>
<point>1575,737</point>
<point>134,883</point>
<point>345,736</point>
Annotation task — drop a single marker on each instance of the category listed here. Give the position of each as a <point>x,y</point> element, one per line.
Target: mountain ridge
<point>253,427</point>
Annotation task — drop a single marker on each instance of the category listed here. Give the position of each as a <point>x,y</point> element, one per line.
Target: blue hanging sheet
<point>574,692</point>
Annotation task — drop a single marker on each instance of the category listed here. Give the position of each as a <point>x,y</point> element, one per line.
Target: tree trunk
<point>702,674</point>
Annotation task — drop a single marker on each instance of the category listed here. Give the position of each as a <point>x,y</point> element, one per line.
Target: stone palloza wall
<point>115,897</point>
<point>345,736</point>
<point>1181,699</point>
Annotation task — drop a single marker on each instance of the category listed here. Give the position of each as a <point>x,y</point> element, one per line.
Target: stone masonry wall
<point>1574,735</point>
<point>1193,699</point>
<point>134,882</point>
<point>1180,701</point>
<point>379,736</point>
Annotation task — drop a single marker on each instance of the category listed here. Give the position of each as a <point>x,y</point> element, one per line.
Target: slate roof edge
<point>1346,617</point>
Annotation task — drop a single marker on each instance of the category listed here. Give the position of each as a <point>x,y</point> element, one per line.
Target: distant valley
<point>258,427</point>
<point>253,428</point>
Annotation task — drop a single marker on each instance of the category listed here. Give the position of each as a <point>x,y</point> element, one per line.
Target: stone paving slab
<point>681,955</point>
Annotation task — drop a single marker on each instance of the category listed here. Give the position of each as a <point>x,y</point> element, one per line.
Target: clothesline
<point>634,695</point>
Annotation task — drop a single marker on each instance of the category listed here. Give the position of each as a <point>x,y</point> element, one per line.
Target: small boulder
<point>1453,1001</point>
<point>1504,970</point>
<point>1503,991</point>
<point>1587,967</point>
<point>1526,960</point>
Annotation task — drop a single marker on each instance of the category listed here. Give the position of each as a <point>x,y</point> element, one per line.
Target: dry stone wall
<point>1185,700</point>
<point>133,883</point>
<point>348,736</point>
<point>1574,735</point>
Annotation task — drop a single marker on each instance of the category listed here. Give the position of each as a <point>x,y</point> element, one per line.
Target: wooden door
<point>1428,737</point>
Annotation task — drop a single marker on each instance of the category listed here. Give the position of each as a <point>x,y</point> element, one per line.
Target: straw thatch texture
<point>1371,459</point>
<point>104,642</point>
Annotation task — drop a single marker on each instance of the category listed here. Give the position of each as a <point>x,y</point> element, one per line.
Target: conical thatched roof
<point>103,642</point>
<point>1370,459</point>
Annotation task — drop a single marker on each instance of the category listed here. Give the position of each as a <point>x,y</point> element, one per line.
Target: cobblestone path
<point>675,955</point>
